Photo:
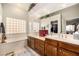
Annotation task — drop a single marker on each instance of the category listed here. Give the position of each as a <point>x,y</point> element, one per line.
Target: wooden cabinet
<point>50,47</point>
<point>30,42</point>
<point>36,44</point>
<point>39,46</point>
<point>67,49</point>
<point>63,52</point>
<point>50,50</point>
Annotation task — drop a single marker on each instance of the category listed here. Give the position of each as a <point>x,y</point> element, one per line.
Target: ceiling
<point>23,6</point>
<point>42,9</point>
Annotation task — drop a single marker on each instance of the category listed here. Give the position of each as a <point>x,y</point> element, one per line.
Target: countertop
<point>37,36</point>
<point>68,40</point>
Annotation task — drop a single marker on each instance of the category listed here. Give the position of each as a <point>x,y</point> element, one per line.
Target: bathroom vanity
<point>54,46</point>
<point>36,43</point>
<point>61,48</point>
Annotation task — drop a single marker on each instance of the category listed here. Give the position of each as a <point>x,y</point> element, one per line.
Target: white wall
<point>0,13</point>
<point>12,11</point>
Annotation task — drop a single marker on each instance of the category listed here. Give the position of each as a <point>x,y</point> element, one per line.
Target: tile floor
<point>26,52</point>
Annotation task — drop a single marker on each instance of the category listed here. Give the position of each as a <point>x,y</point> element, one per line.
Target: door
<point>50,50</point>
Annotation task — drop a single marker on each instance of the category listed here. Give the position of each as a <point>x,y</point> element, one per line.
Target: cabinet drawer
<point>68,46</point>
<point>63,52</point>
<point>42,42</point>
<point>51,41</point>
<point>40,45</point>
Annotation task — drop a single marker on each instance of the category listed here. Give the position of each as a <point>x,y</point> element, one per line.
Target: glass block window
<point>35,26</point>
<point>15,26</point>
<point>0,19</point>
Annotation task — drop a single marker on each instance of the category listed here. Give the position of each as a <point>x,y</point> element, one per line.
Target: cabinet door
<point>41,51</point>
<point>36,45</point>
<point>32,43</point>
<point>50,50</point>
<point>63,52</point>
<point>54,51</point>
<point>28,42</point>
<point>41,47</point>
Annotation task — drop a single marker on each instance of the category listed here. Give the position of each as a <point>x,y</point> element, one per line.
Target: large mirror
<point>71,26</point>
<point>34,27</point>
<point>52,24</point>
<point>70,19</point>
